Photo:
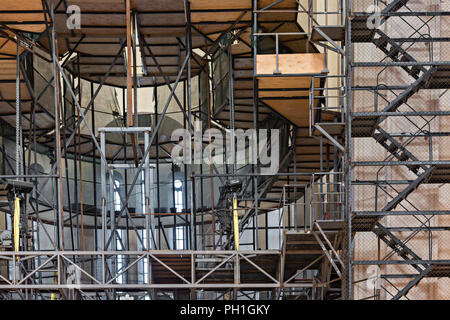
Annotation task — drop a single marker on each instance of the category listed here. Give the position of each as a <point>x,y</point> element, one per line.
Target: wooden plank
<point>157,5</point>
<point>229,17</point>
<point>96,6</point>
<point>239,4</point>
<point>221,5</point>
<point>291,4</point>
<point>270,15</point>
<point>285,83</point>
<point>300,63</point>
<point>8,91</point>
<point>17,5</point>
<point>243,63</point>
<point>296,110</point>
<point>301,252</point>
<point>22,5</point>
<point>119,6</point>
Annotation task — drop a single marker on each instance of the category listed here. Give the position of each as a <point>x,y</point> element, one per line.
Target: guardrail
<point>322,200</point>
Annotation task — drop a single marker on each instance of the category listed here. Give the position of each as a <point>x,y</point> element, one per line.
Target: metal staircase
<point>398,246</point>
<point>396,53</point>
<point>397,150</point>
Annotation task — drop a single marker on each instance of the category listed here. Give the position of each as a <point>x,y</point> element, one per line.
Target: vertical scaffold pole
<point>60,218</point>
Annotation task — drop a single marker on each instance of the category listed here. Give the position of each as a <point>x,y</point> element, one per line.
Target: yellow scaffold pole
<point>236,223</point>
<point>16,224</point>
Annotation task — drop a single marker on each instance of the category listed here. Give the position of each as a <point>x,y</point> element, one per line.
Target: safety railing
<point>273,46</point>
<point>329,96</point>
<point>321,12</point>
<point>321,199</point>
<point>287,213</point>
<point>327,197</point>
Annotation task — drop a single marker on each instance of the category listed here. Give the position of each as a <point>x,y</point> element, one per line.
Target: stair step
<point>394,6</point>
<point>395,244</point>
<point>397,53</point>
<point>405,155</point>
<point>439,79</point>
<point>364,126</point>
<point>407,191</point>
<point>392,148</point>
<point>360,31</point>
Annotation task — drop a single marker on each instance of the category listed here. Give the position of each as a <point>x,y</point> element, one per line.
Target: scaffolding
<point>105,210</point>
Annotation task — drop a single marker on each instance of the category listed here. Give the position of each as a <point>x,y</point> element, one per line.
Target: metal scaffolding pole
<point>56,86</point>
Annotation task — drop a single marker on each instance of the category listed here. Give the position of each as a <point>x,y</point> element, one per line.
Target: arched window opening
<point>178,195</point>
<point>117,202</point>
<point>179,232</point>
<point>121,263</point>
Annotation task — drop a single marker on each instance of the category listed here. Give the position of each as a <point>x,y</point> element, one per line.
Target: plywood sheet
<point>297,111</point>
<point>273,83</point>
<point>290,63</point>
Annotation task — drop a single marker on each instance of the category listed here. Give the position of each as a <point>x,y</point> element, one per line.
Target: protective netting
<point>399,148</point>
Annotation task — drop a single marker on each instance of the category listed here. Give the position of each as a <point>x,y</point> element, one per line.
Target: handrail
<point>333,195</point>
<point>326,96</point>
